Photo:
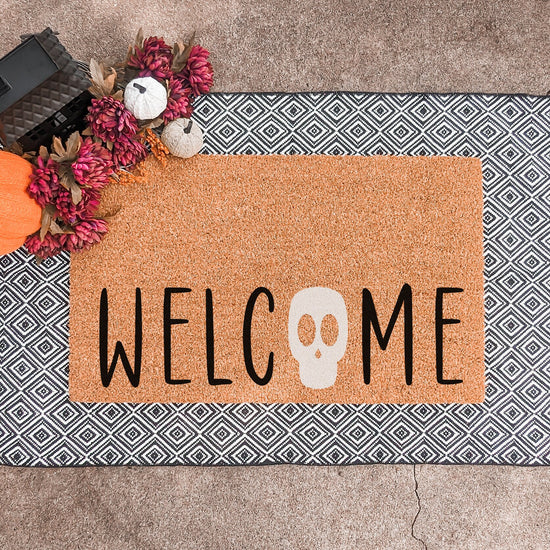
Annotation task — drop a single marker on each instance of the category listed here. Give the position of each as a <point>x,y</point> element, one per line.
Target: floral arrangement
<point>155,86</point>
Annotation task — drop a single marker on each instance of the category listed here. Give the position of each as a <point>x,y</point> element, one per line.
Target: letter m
<point>370,319</point>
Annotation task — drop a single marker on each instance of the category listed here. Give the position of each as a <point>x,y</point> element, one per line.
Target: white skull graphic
<point>318,361</point>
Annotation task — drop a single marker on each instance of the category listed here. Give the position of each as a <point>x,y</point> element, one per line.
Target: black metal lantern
<point>43,92</point>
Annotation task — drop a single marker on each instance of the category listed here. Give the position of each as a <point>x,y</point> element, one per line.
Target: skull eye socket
<point>306,330</point>
<point>329,330</point>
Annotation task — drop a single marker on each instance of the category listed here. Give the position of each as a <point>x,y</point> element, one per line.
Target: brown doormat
<point>313,279</point>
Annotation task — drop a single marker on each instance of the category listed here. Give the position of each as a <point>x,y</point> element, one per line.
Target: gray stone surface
<point>207,508</point>
<point>477,507</point>
<point>263,45</point>
<point>295,46</point>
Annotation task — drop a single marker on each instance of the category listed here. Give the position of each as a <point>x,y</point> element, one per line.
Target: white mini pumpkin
<point>146,98</point>
<point>183,137</point>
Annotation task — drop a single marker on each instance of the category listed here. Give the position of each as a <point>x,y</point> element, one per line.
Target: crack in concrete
<point>419,504</point>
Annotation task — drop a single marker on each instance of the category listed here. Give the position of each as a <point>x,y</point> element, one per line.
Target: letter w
<point>106,370</point>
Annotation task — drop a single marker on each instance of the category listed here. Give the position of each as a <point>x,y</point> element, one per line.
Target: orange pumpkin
<point>19,213</point>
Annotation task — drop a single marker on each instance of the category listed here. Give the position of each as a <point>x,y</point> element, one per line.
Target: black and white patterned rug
<point>511,134</point>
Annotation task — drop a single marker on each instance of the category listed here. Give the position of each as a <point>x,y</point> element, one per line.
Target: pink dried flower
<point>109,119</point>
<point>128,151</point>
<point>198,71</point>
<point>94,165</point>
<point>70,212</point>
<point>179,100</point>
<point>50,246</point>
<point>153,59</point>
<point>86,234</point>
<point>44,181</point>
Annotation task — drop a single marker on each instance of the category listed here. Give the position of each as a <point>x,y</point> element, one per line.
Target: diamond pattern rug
<point>511,134</point>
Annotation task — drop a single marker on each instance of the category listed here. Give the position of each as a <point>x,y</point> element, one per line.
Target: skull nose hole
<point>318,354</point>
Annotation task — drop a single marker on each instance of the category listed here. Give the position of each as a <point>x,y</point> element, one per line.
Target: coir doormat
<point>40,425</point>
<point>281,279</point>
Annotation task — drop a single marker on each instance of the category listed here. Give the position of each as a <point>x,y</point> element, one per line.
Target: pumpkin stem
<point>187,129</point>
<point>142,89</point>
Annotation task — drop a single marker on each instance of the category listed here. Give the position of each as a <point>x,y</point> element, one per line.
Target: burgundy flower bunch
<point>111,122</point>
<point>184,67</point>
<point>186,72</point>
<point>152,56</point>
<point>67,184</point>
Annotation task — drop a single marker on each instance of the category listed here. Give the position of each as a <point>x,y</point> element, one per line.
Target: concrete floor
<point>307,45</point>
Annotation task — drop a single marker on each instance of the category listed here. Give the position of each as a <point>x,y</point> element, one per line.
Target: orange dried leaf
<point>158,149</point>
<point>137,175</point>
